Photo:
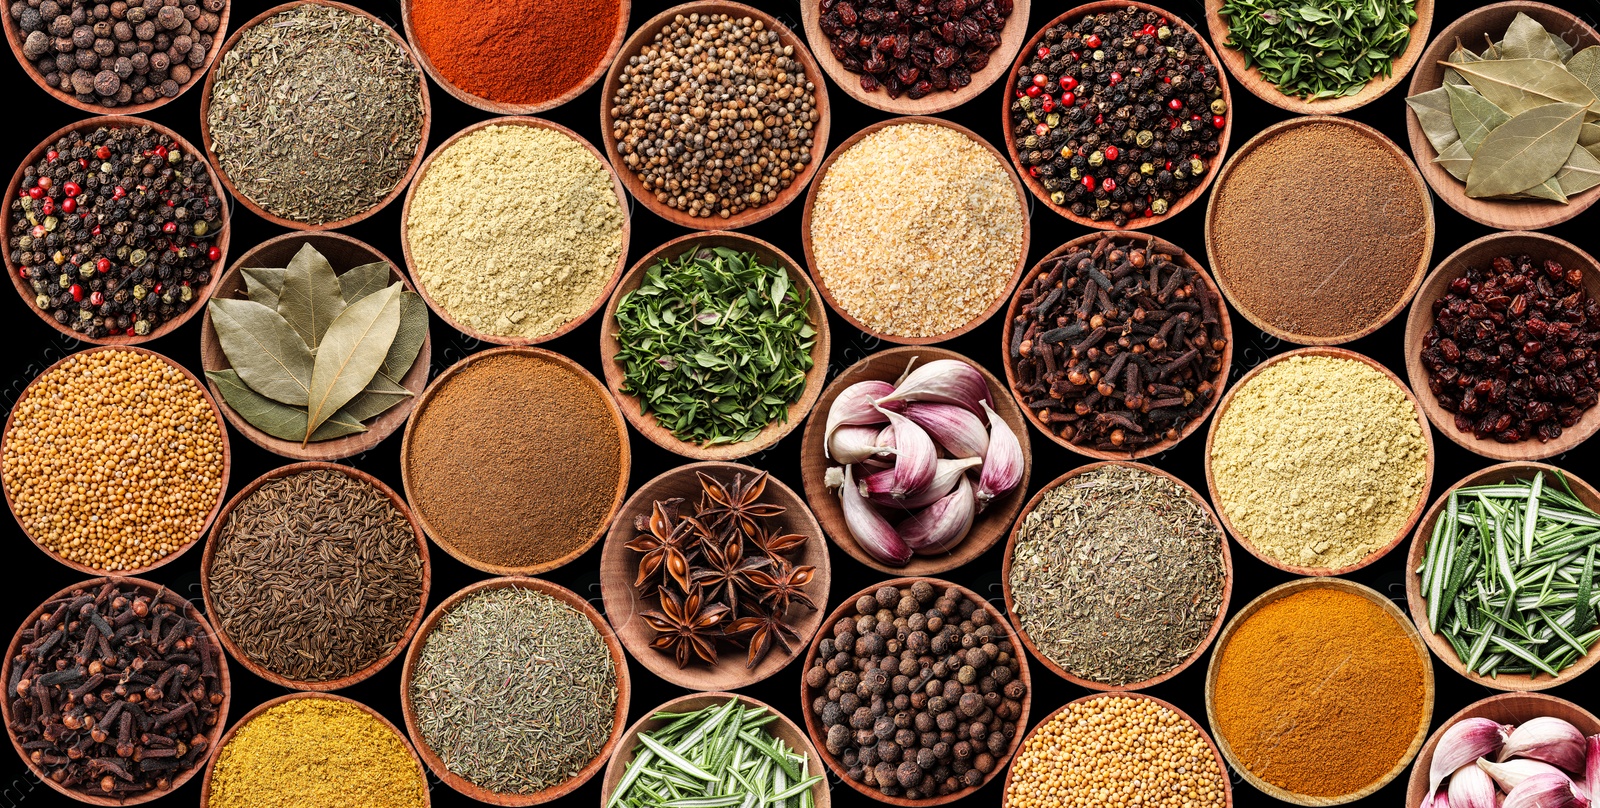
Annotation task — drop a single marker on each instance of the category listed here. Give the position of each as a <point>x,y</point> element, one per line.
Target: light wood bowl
<point>222,488</point>
<point>1009,128</point>
<point>1503,708</point>
<point>343,252</point>
<point>646,422</point>
<point>406,470</point>
<point>1222,766</point>
<point>816,271</point>
<point>1470,28</point>
<point>461,784</point>
<point>1278,593</point>
<point>1267,321</point>
<point>1011,36</point>
<point>211,764</point>
<point>501,108</point>
<point>209,556</point>
<point>1052,665</point>
<point>501,339</point>
<point>202,292</point>
<point>619,567</point>
<point>990,525</point>
<point>643,36</point>
<point>400,185</point>
<point>1416,511</point>
<point>1220,381</point>
<point>1420,321</point>
<point>212,735</point>
<point>814,726</point>
<point>1251,78</point>
<point>1418,603</point>
<point>782,729</point>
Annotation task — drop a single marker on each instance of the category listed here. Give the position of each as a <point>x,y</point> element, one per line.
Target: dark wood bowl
<point>1420,321</point>
<point>1038,190</point>
<point>203,293</point>
<point>209,556</point>
<point>1503,708</point>
<point>211,764</point>
<point>222,488</point>
<point>1418,603</point>
<point>636,43</point>
<point>815,730</point>
<point>406,470</point>
<point>1220,381</point>
<point>500,339</point>
<point>212,735</point>
<point>1278,593</point>
<point>1470,29</point>
<point>1267,320</point>
<point>816,271</point>
<point>1052,665</point>
<point>1011,36</point>
<point>990,525</point>
<point>461,784</point>
<point>646,422</point>
<point>1269,92</point>
<point>341,251</point>
<point>292,224</point>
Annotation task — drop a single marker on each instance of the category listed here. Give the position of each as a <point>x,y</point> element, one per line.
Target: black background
<point>30,576</point>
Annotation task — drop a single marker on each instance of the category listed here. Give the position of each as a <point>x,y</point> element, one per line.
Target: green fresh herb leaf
<point>262,285</point>
<point>263,348</point>
<point>353,349</point>
<point>1519,85</point>
<point>358,282</point>
<point>1320,48</point>
<point>1474,117</point>
<point>278,420</point>
<point>311,296</point>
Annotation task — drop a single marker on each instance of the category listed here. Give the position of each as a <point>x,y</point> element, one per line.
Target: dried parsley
<point>1316,49</point>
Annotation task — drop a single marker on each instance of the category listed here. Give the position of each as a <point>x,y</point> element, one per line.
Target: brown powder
<point>1320,231</point>
<point>516,460</point>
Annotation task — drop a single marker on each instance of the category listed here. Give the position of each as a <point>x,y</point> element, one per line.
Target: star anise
<point>773,543</point>
<point>782,584</point>
<point>727,571</point>
<point>736,504</point>
<point>686,627</point>
<point>765,628</point>
<point>665,541</point>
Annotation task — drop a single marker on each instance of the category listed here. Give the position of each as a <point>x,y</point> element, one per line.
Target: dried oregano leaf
<point>358,282</point>
<point>1525,151</point>
<point>278,420</point>
<point>264,349</point>
<point>1432,109</point>
<point>1473,116</point>
<point>311,296</point>
<point>352,350</point>
<point>1519,85</point>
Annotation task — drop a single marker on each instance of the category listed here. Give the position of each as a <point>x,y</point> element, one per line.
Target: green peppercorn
<point>138,291</point>
<point>1158,206</point>
<point>186,294</point>
<point>142,328</point>
<point>201,227</point>
<point>1218,106</point>
<point>66,281</point>
<point>1058,198</point>
<point>42,301</point>
<point>1097,159</point>
<point>137,257</point>
<point>1196,167</point>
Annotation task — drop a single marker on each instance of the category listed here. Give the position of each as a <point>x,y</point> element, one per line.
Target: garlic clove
<point>953,428</point>
<point>947,472</point>
<point>942,525</point>
<point>1471,787</point>
<point>1002,462</point>
<point>854,407</point>
<point>1591,764</point>
<point>1547,738</point>
<point>868,527</point>
<point>1465,741</point>
<point>947,381</point>
<point>853,443</point>
<point>1545,791</point>
<point>1512,772</point>
<point>833,477</point>
<point>915,457</point>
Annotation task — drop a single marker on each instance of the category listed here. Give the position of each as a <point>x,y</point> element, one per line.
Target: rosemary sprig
<point>715,757</point>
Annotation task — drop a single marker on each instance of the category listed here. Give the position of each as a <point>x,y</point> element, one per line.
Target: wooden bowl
<point>646,422</point>
<point>1052,665</point>
<point>1266,321</point>
<point>1251,78</point>
<point>1222,766</point>
<point>1278,593</point>
<point>500,108</point>
<point>816,271</point>
<point>221,242</point>
<point>1014,309</point>
<point>782,729</point>
<point>293,224</point>
<point>1011,36</point>
<point>209,556</point>
<point>636,187</point>
<point>1503,708</point>
<point>421,516</point>
<point>211,764</point>
<point>1216,496</point>
<point>990,525</point>
<point>1420,321</point>
<point>1009,128</point>
<point>815,730</point>
<point>1418,604</point>
<point>619,567</point>
<point>212,735</point>
<point>1470,29</point>
<point>344,253</point>
<point>461,784</point>
<point>501,339</point>
<point>222,488</point>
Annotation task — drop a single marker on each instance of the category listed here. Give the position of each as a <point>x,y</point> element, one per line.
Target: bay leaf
<point>1457,56</point>
<point>1455,160</point>
<point>311,296</point>
<point>381,394</point>
<point>408,338</point>
<point>1526,39</point>
<point>262,284</point>
<point>1432,109</point>
<point>1525,151</point>
<point>1518,85</point>
<point>358,282</point>
<point>1548,190</point>
<point>1585,64</point>
<point>1581,172</point>
<point>353,349</point>
<point>262,346</point>
<point>278,420</point>
<point>1474,117</point>
<point>1589,134</point>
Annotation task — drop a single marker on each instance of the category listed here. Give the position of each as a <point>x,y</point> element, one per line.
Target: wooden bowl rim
<point>816,270</point>
<point>400,185</point>
<point>203,292</point>
<point>645,422</point>
<point>619,662</point>
<point>1417,784</point>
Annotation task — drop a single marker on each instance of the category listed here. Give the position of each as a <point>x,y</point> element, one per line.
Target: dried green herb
<point>353,349</point>
<point>1525,151</point>
<point>1518,85</point>
<point>1432,109</point>
<point>1320,48</point>
<point>1473,116</point>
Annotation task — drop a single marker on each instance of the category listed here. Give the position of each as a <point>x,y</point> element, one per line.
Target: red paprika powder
<point>515,51</point>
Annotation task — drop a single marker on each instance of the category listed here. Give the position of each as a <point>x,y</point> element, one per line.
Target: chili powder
<point>523,52</point>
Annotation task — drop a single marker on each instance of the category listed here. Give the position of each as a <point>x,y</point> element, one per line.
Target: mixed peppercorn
<point>116,53</point>
<point>915,47</point>
<point>1117,115</point>
<point>116,230</point>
